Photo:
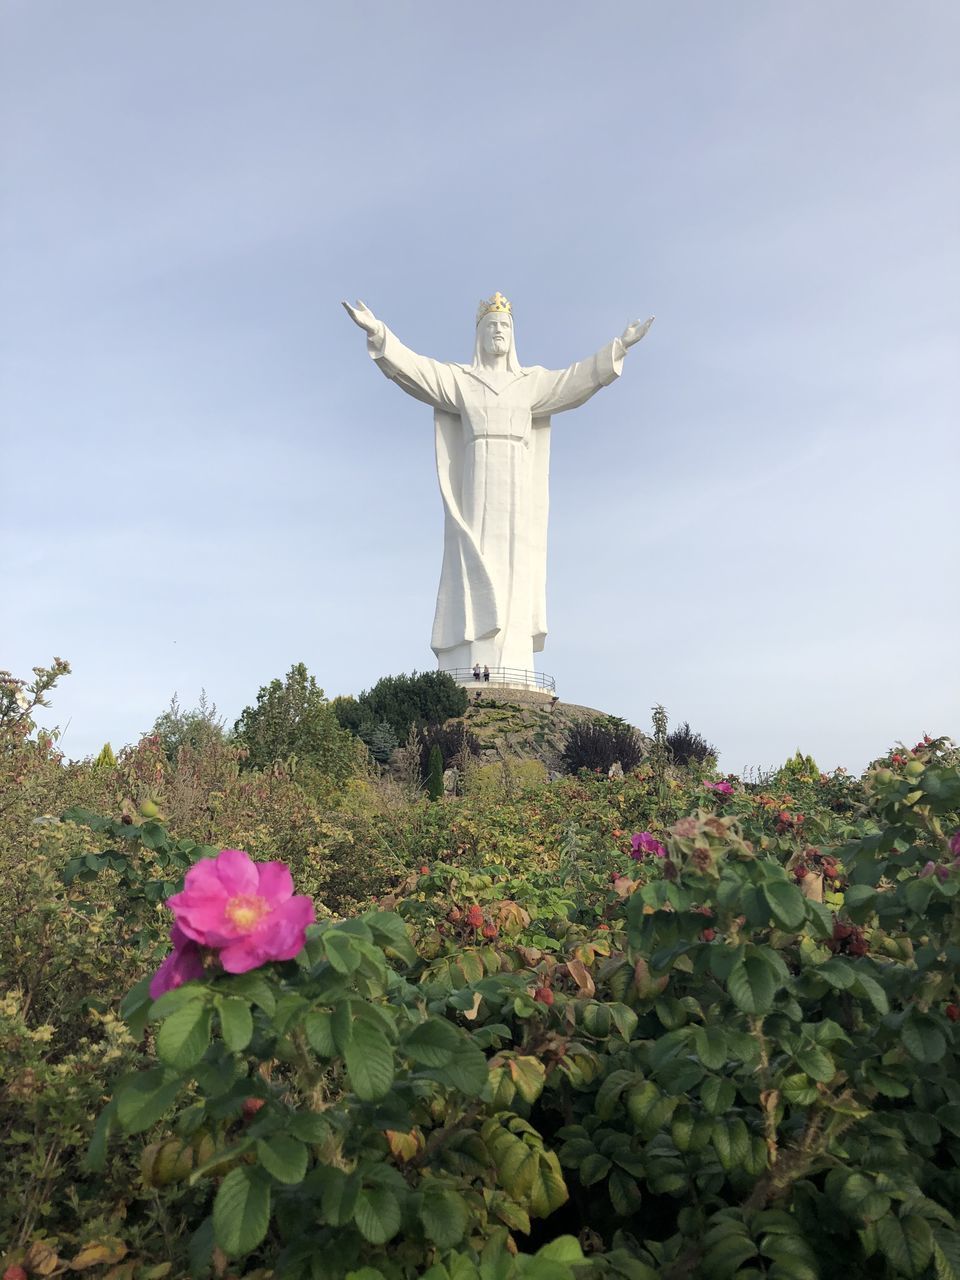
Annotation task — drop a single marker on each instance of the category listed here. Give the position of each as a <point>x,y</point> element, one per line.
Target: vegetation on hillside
<point>668,1024</point>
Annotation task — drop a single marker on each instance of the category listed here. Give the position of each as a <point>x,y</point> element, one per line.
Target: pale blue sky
<point>206,479</point>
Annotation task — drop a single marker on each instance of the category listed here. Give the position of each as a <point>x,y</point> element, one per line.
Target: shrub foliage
<point>599,744</point>
<point>639,1027</point>
<point>687,747</point>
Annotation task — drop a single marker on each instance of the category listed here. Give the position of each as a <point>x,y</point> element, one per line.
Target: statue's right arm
<point>428,380</point>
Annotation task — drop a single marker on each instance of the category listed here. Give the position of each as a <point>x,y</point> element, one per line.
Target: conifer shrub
<point>435,774</point>
<point>598,744</point>
<point>687,747</point>
<point>407,701</point>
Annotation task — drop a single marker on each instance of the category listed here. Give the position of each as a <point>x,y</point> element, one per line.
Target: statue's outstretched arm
<point>634,332</point>
<point>428,380</point>
<point>362,316</point>
<point>563,389</point>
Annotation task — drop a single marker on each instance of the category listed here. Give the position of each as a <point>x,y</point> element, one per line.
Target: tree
<point>178,728</point>
<point>430,697</point>
<point>382,742</point>
<point>687,747</point>
<point>293,718</point>
<point>435,774</point>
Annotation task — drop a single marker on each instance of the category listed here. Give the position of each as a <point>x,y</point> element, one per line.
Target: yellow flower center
<point>246,910</point>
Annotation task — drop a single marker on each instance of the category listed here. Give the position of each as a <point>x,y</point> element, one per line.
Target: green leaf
<point>241,1211</point>
<point>200,1248</point>
<point>922,1127</point>
<point>342,952</point>
<point>946,1254</point>
<point>786,903</point>
<point>563,1249</point>
<point>377,1214</point>
<point>717,1095</point>
<point>752,985</point>
<point>923,1039</point>
<point>858,901</point>
<point>318,1026</point>
<point>369,1059</point>
<point>593,1169</point>
<point>859,1197</point>
<point>236,1022</point>
<point>254,987</point>
<point>173,1000</point>
<point>906,1242</point>
<point>444,1216</point>
<point>872,990</point>
<point>96,1157</point>
<point>467,1070</point>
<point>433,1043</point>
<point>840,974</point>
<point>949,1116</point>
<point>145,1099</point>
<point>390,931</point>
<point>710,1044</point>
<point>816,1062</point>
<point>284,1157</point>
<point>185,1036</point>
<point>339,1193</point>
<point>135,1006</point>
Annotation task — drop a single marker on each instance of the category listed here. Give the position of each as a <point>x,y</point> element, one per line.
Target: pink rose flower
<point>643,843</point>
<point>246,911</point>
<point>955,843</point>
<point>183,964</point>
<point>723,788</point>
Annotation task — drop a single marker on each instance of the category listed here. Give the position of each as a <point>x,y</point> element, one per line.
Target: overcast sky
<point>206,480</point>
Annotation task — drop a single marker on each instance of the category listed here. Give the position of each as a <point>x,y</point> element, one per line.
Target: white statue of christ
<point>492,427</point>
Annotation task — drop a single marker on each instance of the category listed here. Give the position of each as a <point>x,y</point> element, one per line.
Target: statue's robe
<point>493,449</point>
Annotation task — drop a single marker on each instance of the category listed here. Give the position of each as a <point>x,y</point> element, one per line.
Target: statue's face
<point>495,330</point>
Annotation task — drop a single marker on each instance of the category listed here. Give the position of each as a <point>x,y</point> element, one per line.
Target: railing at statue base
<point>504,677</point>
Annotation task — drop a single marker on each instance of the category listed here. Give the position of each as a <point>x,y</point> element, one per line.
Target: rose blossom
<point>183,964</point>
<point>955,843</point>
<point>932,869</point>
<point>244,910</point>
<point>724,788</point>
<point>643,843</point>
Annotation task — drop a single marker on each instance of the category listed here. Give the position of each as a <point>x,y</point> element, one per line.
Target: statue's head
<point>495,330</point>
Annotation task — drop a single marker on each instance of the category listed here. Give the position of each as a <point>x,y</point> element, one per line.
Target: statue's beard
<point>507,349</point>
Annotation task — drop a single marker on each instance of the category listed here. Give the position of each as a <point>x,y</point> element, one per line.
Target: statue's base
<point>511,678</point>
<point>498,694</point>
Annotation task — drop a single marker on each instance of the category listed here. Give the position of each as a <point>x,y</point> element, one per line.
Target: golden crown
<point>497,303</point>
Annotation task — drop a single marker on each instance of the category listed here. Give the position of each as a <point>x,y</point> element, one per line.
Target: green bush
<point>411,701</point>
<point>292,718</point>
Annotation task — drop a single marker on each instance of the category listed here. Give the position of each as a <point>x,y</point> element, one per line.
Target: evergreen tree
<point>382,742</point>
<point>435,774</point>
<point>429,697</point>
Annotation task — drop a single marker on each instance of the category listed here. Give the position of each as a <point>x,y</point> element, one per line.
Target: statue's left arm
<point>562,389</point>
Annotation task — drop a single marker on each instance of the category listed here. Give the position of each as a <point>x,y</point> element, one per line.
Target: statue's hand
<point>361,315</point>
<point>632,333</point>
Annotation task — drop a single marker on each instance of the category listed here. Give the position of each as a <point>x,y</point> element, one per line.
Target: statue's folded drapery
<point>493,445</point>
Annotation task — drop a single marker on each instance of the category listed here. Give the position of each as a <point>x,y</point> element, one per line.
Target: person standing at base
<point>486,674</point>
<point>476,671</point>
